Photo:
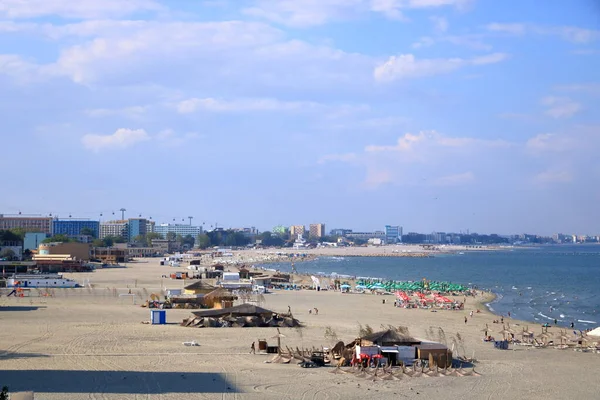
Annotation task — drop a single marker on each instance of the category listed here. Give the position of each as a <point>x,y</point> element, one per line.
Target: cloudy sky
<point>439,115</point>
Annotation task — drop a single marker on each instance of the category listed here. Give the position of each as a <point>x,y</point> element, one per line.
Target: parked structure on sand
<point>244,315</point>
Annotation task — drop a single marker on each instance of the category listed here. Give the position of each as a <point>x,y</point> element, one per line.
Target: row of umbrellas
<point>413,286</point>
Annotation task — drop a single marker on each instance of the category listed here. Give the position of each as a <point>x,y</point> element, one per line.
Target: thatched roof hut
<point>199,287</point>
<point>389,337</point>
<point>237,311</point>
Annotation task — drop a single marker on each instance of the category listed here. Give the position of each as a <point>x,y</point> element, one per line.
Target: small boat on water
<point>40,281</point>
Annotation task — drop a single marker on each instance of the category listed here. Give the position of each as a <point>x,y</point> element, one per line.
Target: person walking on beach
<point>466,319</point>
<point>316,311</point>
<point>253,348</point>
<point>509,314</point>
<point>555,321</point>
<point>471,314</point>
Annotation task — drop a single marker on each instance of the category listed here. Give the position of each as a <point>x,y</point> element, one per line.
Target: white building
<point>114,229</point>
<point>178,229</point>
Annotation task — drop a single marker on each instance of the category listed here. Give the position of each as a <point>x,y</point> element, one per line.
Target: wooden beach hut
<point>219,298</point>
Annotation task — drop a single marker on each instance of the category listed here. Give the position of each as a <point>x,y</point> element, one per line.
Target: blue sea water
<point>535,284</point>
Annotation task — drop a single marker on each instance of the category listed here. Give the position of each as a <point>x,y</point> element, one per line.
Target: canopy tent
<point>594,332</point>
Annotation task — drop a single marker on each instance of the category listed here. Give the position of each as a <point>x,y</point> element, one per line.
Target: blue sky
<point>439,115</point>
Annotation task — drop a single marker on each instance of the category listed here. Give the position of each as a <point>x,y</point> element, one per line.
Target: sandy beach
<point>88,344</point>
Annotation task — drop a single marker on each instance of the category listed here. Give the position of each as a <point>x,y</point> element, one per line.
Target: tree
<point>9,236</point>
<point>270,240</point>
<point>140,239</point>
<point>119,239</point>
<point>179,239</point>
<point>20,232</point>
<point>109,241</point>
<point>58,239</point>
<point>203,241</point>
<point>7,254</point>
<point>188,240</point>
<point>88,232</point>
<point>98,243</point>
<point>150,236</point>
<point>171,236</point>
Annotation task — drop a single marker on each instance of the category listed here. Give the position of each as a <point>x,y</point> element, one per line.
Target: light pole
<point>190,220</point>
<point>122,214</point>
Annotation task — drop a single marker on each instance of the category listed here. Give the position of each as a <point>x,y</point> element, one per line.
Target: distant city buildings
<point>393,234</point>
<point>340,232</point>
<point>114,229</point>
<point>33,240</point>
<point>74,227</point>
<point>316,231</point>
<point>177,229</point>
<point>136,227</point>
<point>296,230</point>
<point>28,224</point>
<point>280,230</point>
<point>366,235</point>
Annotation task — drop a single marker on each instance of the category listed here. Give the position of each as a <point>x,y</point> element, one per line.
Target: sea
<point>538,284</point>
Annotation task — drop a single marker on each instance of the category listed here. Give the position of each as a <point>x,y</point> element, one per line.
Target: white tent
<point>595,332</point>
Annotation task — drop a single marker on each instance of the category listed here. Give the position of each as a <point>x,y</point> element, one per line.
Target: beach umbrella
<point>505,332</point>
<point>278,336</point>
<point>563,337</point>
<point>544,336</point>
<point>486,329</point>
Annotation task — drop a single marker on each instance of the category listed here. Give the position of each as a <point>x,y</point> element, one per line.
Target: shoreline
<point>485,304</point>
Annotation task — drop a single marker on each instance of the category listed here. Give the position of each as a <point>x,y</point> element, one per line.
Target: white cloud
<point>426,158</point>
<point>218,105</point>
<point>139,42</point>
<point>474,41</point>
<point>86,9</point>
<point>133,112</point>
<point>440,24</point>
<point>303,13</point>
<point>21,70</point>
<point>513,29</point>
<point>406,66</point>
<point>569,33</point>
<point>121,139</point>
<point>560,107</point>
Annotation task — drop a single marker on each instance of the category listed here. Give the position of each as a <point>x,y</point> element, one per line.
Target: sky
<point>436,115</point>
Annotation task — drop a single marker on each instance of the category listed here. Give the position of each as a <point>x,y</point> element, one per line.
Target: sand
<point>87,344</point>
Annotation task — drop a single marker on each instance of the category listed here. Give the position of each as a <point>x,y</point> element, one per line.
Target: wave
<point>545,316</point>
<point>586,322</point>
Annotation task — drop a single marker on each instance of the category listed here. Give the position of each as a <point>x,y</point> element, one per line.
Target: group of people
<point>316,310</point>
